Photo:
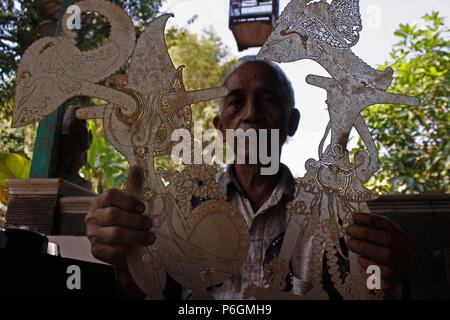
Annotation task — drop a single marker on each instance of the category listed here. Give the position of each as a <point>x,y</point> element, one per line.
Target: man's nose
<point>251,113</point>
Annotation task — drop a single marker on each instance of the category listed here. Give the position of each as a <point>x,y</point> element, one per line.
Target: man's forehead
<point>251,72</point>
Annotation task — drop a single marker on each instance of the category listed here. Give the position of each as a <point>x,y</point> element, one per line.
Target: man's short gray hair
<point>287,92</point>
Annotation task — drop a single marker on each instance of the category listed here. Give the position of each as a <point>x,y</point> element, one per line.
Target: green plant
<point>414,142</point>
<point>12,166</point>
<point>105,167</point>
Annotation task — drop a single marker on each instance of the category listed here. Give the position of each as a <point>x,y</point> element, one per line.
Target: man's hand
<point>115,223</point>
<point>380,242</point>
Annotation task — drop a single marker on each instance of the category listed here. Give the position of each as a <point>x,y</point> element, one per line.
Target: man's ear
<point>294,119</point>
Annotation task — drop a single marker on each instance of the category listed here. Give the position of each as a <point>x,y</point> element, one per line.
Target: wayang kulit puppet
<point>201,246</point>
<point>333,187</point>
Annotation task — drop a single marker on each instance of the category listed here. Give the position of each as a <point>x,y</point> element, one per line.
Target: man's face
<point>254,102</point>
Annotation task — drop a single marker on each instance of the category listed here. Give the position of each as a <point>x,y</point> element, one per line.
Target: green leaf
<point>12,166</point>
<point>413,141</point>
<point>410,182</point>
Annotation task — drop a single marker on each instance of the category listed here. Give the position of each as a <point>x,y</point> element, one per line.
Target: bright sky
<point>380,19</point>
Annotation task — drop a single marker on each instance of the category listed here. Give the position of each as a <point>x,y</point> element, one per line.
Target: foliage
<point>10,139</point>
<point>18,22</point>
<point>414,141</point>
<point>105,168</point>
<point>17,140</point>
<point>141,11</point>
<point>207,64</point>
<point>12,166</point>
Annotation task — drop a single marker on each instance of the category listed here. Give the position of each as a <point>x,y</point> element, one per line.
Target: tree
<point>207,63</point>
<point>414,142</point>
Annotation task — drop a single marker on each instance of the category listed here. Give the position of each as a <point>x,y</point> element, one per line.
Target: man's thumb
<point>135,180</point>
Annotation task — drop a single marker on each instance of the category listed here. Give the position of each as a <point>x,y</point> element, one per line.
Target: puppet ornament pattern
<point>332,189</point>
<point>197,246</point>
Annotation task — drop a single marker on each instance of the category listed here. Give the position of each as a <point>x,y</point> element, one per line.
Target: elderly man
<point>260,97</point>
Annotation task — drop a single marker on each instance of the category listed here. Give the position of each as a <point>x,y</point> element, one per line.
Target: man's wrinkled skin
<point>115,222</point>
<point>254,102</point>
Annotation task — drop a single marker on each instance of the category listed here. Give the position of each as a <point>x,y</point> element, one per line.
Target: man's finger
<point>376,236</point>
<point>119,199</point>
<point>112,216</point>
<point>124,236</point>
<point>386,272</point>
<point>378,254</point>
<point>389,278</point>
<point>108,253</point>
<point>382,223</point>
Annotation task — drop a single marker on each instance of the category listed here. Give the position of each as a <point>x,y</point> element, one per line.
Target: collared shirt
<point>266,227</point>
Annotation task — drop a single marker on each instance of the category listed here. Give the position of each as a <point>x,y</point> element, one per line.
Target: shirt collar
<point>285,186</point>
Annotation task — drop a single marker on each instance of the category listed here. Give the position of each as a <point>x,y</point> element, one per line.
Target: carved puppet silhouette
<point>333,187</point>
<point>141,113</point>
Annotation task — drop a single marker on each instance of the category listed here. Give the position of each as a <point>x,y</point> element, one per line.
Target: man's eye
<point>270,98</point>
<point>234,104</point>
